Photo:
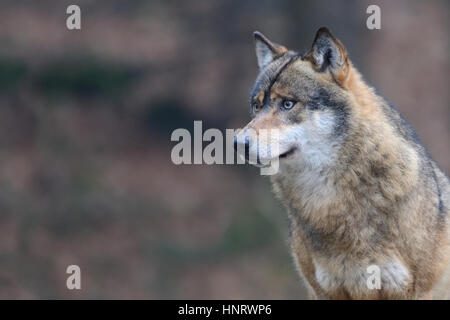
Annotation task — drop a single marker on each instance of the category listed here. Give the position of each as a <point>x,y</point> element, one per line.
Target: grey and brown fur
<point>359,187</point>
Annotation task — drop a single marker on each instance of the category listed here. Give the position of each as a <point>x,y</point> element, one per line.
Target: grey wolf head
<point>302,97</point>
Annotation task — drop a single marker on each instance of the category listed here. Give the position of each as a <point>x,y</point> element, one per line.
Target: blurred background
<point>86,116</point>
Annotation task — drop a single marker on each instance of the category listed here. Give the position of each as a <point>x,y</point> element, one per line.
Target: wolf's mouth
<point>288,153</point>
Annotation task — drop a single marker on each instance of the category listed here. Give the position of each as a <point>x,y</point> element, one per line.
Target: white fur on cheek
<point>313,137</point>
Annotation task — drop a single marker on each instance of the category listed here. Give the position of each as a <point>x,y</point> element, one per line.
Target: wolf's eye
<point>288,104</point>
<point>256,107</point>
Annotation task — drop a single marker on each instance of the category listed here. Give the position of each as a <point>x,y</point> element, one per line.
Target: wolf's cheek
<point>323,123</point>
<point>314,139</point>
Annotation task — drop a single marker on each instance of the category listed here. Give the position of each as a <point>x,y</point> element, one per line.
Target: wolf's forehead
<point>269,75</point>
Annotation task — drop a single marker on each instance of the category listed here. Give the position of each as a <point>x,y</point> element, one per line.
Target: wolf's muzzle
<point>246,144</point>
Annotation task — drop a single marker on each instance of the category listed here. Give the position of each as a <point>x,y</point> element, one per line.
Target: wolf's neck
<point>364,95</point>
<point>373,167</point>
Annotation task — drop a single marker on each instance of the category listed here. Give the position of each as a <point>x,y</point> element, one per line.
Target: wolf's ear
<point>266,51</point>
<point>328,53</point>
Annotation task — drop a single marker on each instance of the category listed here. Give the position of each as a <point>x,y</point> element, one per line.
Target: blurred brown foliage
<point>85,123</point>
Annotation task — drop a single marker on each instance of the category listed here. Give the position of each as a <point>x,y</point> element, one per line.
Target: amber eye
<point>288,104</point>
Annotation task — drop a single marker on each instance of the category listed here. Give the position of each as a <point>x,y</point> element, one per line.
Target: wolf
<point>361,191</point>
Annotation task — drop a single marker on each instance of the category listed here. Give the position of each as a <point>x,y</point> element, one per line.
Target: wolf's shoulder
<point>400,124</point>
<point>428,166</point>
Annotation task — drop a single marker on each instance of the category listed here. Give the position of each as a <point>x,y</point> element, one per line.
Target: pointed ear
<point>328,54</point>
<point>266,51</point>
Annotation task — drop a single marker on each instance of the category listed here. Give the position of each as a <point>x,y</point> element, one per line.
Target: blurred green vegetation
<point>85,76</point>
<point>13,72</point>
<point>167,115</point>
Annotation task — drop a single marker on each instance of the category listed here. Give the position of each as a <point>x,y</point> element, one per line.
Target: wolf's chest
<point>361,278</point>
